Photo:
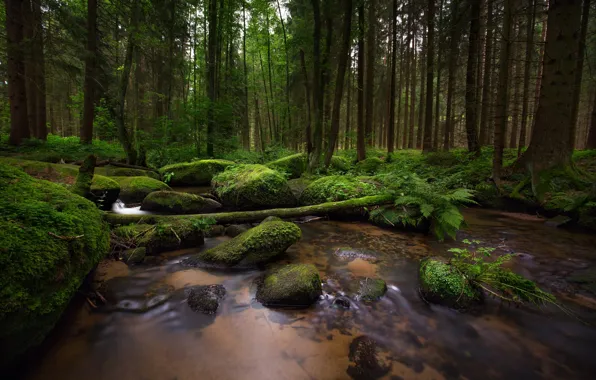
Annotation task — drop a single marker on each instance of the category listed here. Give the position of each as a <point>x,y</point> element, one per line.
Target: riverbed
<point>147,331</point>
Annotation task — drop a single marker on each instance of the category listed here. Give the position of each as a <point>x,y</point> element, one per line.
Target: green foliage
<point>494,278</point>
<point>167,177</point>
<point>338,188</point>
<point>369,166</point>
<point>196,173</point>
<point>293,166</point>
<point>51,239</point>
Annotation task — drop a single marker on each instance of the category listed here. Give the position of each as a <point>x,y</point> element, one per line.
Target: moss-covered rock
<point>253,187</point>
<point>205,298</point>
<point>369,166</point>
<point>58,173</point>
<point>135,189</point>
<point>298,185</point>
<point>162,237</point>
<point>444,285</point>
<point>339,164</point>
<point>236,229</point>
<point>338,188</point>
<point>50,240</point>
<point>104,190</point>
<point>370,289</point>
<point>116,171</point>
<point>293,165</point>
<point>197,173</point>
<point>174,202</point>
<point>290,285</point>
<point>259,244</point>
<point>272,219</point>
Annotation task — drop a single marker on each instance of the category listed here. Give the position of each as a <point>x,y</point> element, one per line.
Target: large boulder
<point>293,165</point>
<point>338,188</point>
<point>197,173</point>
<point>174,202</point>
<point>257,245</point>
<point>104,191</point>
<point>442,284</point>
<point>172,235</point>
<point>117,171</point>
<point>296,285</point>
<point>135,189</point>
<point>50,240</point>
<point>253,187</point>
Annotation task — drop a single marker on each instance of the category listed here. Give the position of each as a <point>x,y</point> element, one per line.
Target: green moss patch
<point>178,203</point>
<point>104,190</point>
<point>369,166</point>
<point>135,189</point>
<point>443,284</point>
<point>293,165</point>
<point>253,187</point>
<point>339,164</point>
<point>291,285</point>
<point>338,188</point>
<point>116,171</point>
<point>370,289</point>
<point>198,173</point>
<point>51,239</point>
<point>259,244</point>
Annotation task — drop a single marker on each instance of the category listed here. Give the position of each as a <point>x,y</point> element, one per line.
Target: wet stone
<point>348,254</point>
<point>370,289</point>
<point>206,298</point>
<point>236,229</point>
<point>368,360</point>
<point>341,302</point>
<point>214,231</point>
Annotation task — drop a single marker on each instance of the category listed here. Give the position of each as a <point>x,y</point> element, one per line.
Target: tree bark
<point>245,124</point>
<point>578,73</point>
<point>90,87</point>
<point>339,83</point>
<point>486,86</point>
<point>591,143</point>
<point>212,76</point>
<point>370,71</point>
<point>412,95</point>
<point>308,132</point>
<point>422,100</point>
<point>531,18</point>
<point>283,27</point>
<point>472,70</point>
<point>452,70</point>
<point>437,119</point>
<point>430,67</point>
<point>360,142</point>
<point>317,89</point>
<point>391,120</point>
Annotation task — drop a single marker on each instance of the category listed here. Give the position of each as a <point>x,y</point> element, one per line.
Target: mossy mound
<point>253,187</point>
<point>116,171</point>
<point>370,289</point>
<point>58,173</point>
<point>338,188</point>
<point>259,244</point>
<point>369,166</point>
<point>104,190</point>
<point>174,202</point>
<point>298,185</point>
<point>442,284</point>
<point>198,173</point>
<point>293,165</point>
<point>339,164</point>
<point>51,239</point>
<point>162,237</point>
<point>296,285</point>
<point>135,189</point>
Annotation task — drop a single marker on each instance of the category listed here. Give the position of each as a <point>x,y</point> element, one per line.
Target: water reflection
<point>247,341</point>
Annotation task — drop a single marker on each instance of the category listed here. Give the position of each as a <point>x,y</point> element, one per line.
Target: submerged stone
<point>197,173</point>
<point>368,359</point>
<point>253,187</point>
<point>50,240</point>
<point>206,298</point>
<point>293,165</point>
<point>341,302</point>
<point>442,284</point>
<point>178,203</point>
<point>297,285</point>
<point>257,245</point>
<point>370,289</point>
<point>135,189</point>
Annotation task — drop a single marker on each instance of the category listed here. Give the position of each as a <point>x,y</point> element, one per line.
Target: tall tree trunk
<point>516,71</point>
<point>41,129</point>
<point>360,142</point>
<point>486,86</point>
<point>412,96</point>
<point>531,18</point>
<point>399,95</point>
<point>551,139</point>
<point>438,91</point>
<point>276,128</point>
<point>308,132</point>
<point>501,113</point>
<point>471,100</point>
<point>339,83</point>
<point>269,119</point>
<point>406,119</point>
<point>430,62</point>
<point>370,71</point>
<point>591,143</point>
<point>317,89</point>
<point>348,105</point>
<point>578,73</point>
<point>283,27</point>
<point>30,85</point>
<point>422,100</point>
<point>325,89</point>
<point>212,76</point>
<point>245,124</point>
<point>452,71</point>
<point>90,87</point>
<point>540,71</point>
<point>391,120</point>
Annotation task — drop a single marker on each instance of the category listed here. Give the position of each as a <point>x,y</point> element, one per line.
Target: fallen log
<point>257,216</point>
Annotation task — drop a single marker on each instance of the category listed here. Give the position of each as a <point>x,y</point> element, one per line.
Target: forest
<point>355,170</point>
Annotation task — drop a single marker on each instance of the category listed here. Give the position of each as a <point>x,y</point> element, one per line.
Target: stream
<point>149,332</point>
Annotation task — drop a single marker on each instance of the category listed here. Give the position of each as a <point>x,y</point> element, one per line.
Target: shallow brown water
<point>247,341</point>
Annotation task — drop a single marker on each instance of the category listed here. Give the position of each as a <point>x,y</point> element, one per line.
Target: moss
<point>116,171</point>
<point>51,239</point>
<point>338,188</point>
<point>134,255</point>
<point>259,244</point>
<point>339,164</point>
<point>82,185</point>
<point>442,284</point>
<point>198,173</point>
<point>59,173</point>
<point>298,185</point>
<point>135,189</point>
<point>290,285</point>
<point>370,289</point>
<point>253,187</point>
<point>178,203</point>
<point>167,236</point>
<point>293,165</point>
<point>369,166</point>
<point>272,219</point>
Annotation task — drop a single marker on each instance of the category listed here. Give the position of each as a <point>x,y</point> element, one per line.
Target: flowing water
<point>148,331</point>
